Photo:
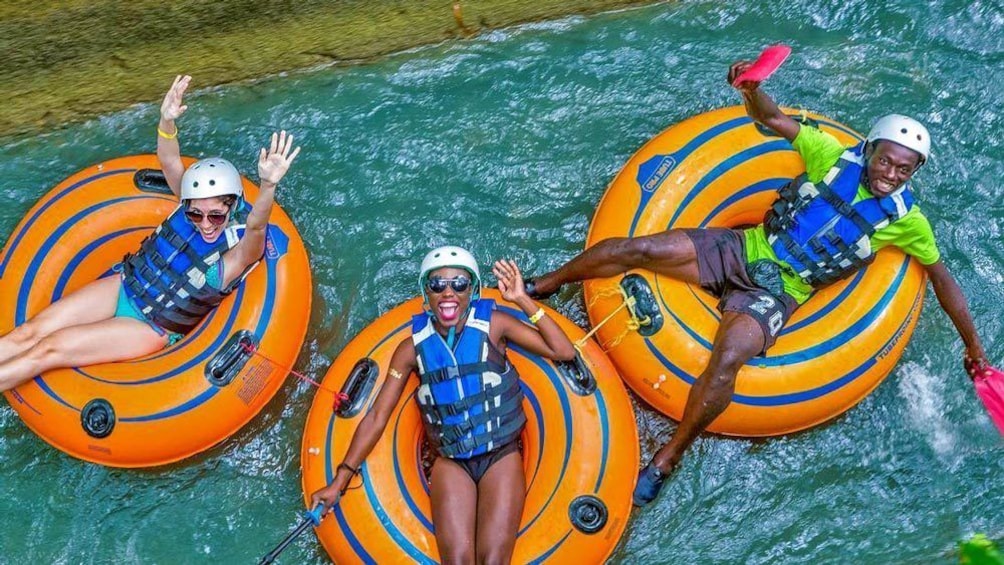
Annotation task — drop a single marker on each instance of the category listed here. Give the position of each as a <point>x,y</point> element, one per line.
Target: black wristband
<point>350,468</point>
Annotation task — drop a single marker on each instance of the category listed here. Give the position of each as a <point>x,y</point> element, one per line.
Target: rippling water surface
<point>505,143</point>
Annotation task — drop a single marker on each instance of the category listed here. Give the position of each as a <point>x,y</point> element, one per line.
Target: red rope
<point>339,396</point>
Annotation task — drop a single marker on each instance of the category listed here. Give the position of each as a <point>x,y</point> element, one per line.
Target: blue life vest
<point>470,397</point>
<point>814,227</point>
<point>166,278</point>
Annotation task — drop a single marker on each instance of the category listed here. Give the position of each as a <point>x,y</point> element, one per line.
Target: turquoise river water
<point>505,143</point>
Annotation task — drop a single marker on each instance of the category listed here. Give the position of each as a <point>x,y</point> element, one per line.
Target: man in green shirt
<point>824,226</point>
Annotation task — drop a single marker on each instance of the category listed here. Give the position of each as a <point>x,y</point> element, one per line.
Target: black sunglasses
<point>437,285</point>
<point>196,216</point>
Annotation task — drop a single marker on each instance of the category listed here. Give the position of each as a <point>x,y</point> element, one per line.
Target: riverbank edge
<point>71,61</point>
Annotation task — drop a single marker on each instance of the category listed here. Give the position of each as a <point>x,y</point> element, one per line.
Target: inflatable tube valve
<point>588,514</point>
<point>98,418</point>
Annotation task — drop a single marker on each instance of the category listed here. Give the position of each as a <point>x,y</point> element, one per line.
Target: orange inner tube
<point>719,169</point>
<point>178,401</point>
<point>580,453</point>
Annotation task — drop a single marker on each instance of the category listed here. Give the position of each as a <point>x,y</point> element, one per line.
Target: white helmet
<point>905,131</point>
<point>211,177</point>
<point>450,256</point>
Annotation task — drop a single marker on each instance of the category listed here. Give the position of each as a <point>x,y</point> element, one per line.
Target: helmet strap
<point>235,207</point>
<point>451,332</point>
<point>451,337</point>
<point>864,177</point>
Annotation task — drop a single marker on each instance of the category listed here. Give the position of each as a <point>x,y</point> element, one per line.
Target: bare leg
<point>669,253</point>
<point>94,302</point>
<point>501,494</point>
<point>739,339</point>
<point>114,339</point>
<point>454,503</point>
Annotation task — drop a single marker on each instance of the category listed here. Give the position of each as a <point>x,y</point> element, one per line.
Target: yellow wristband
<point>166,135</point>
<point>540,313</point>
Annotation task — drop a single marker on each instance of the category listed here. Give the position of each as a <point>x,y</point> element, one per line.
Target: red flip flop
<point>989,385</point>
<point>765,65</point>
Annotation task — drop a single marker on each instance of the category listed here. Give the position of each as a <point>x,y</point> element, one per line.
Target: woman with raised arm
<point>471,403</point>
<point>183,270</point>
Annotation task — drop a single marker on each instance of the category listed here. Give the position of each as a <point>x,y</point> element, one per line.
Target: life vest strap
<point>454,432</point>
<point>449,373</point>
<point>498,437</point>
<point>508,387</point>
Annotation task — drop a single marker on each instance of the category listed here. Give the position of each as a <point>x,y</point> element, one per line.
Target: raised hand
<point>510,280</point>
<point>738,68</point>
<point>172,107</point>
<point>273,164</point>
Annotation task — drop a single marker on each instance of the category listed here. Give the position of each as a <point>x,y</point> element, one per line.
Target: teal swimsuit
<point>126,308</point>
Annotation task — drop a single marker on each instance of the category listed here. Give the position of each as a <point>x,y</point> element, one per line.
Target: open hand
<point>510,279</point>
<point>172,106</point>
<point>273,164</point>
<point>738,68</point>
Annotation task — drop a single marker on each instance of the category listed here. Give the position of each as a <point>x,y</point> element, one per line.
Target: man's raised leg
<point>739,339</point>
<point>669,253</point>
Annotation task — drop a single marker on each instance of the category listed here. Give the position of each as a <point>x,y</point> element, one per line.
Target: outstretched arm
<point>371,427</point>
<point>953,302</point>
<point>272,166</point>
<point>761,107</point>
<point>547,340</point>
<point>168,149</point>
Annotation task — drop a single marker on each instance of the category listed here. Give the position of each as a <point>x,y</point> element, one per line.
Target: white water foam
<point>924,393</point>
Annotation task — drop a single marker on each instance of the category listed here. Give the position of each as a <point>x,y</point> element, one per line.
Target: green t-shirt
<point>820,151</point>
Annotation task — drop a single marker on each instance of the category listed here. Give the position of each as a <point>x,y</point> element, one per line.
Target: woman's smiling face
<point>448,304</point>
<point>205,214</point>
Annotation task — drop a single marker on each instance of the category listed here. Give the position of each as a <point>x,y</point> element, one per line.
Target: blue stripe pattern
<point>819,349</point>
<point>77,259</point>
<point>706,136</point>
<point>682,154</point>
<point>726,166</point>
<point>50,242</point>
<point>195,360</point>
<point>550,551</point>
<point>343,524</point>
<point>601,406</point>
<point>790,398</point>
<point>16,240</point>
<point>399,476</point>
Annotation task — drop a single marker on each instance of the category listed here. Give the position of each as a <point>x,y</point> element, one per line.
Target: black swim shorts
<point>721,262</point>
